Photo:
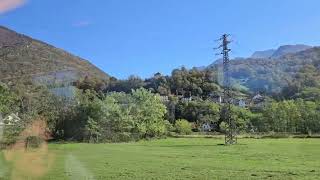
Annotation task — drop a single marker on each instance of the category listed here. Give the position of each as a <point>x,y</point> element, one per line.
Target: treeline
<point>184,82</point>
<point>293,116</point>
<point>113,117</point>
<point>88,117</point>
<point>133,109</point>
<point>108,117</point>
<point>305,84</point>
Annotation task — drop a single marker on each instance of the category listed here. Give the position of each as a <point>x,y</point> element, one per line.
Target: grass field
<point>180,158</point>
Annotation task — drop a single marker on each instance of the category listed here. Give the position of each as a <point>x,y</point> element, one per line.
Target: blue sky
<point>142,37</point>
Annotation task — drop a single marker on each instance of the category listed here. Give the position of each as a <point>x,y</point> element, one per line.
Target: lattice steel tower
<point>231,131</point>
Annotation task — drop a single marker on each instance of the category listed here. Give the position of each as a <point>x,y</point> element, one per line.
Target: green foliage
<point>198,111</point>
<point>194,82</point>
<point>116,117</point>
<point>93,130</point>
<point>305,84</point>
<point>243,119</point>
<point>294,116</point>
<point>223,127</point>
<point>133,82</point>
<point>8,105</point>
<point>183,127</point>
<point>149,113</point>
<point>8,100</point>
<point>311,93</point>
<point>92,84</point>
<point>182,81</point>
<point>11,134</point>
<point>169,126</point>
<point>31,103</point>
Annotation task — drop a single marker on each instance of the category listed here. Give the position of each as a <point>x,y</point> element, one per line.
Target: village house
<point>258,98</point>
<point>186,99</point>
<point>258,101</point>
<point>216,98</point>
<point>208,127</point>
<point>11,119</point>
<point>164,98</point>
<point>242,103</point>
<point>7,121</point>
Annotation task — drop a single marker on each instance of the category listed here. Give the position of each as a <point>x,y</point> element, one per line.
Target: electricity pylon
<point>231,132</point>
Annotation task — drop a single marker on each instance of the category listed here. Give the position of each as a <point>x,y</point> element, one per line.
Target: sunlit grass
<point>182,158</point>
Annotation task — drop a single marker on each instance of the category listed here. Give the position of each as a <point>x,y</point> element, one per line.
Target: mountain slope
<point>22,57</point>
<point>263,54</point>
<point>289,49</point>
<point>271,75</point>
<point>281,51</point>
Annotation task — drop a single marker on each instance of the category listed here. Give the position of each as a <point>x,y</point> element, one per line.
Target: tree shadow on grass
<point>221,144</point>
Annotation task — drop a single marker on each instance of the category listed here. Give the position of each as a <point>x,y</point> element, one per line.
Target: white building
<point>206,127</point>
<point>11,119</point>
<point>242,103</point>
<point>8,121</point>
<point>164,98</point>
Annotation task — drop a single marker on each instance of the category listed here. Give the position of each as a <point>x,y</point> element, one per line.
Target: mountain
<point>263,54</point>
<point>220,61</point>
<point>24,58</point>
<point>281,51</point>
<point>288,49</point>
<point>272,74</point>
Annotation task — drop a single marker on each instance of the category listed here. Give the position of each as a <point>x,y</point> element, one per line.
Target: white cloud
<point>7,5</point>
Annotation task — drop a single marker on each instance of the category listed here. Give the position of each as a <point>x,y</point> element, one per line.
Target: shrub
<point>183,127</point>
<point>223,127</point>
<point>169,126</point>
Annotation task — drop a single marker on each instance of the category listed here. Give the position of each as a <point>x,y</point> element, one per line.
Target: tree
<point>243,118</point>
<point>198,111</point>
<point>133,82</point>
<point>159,84</point>
<point>183,127</point>
<point>92,84</point>
<point>294,116</point>
<point>93,130</point>
<point>149,113</point>
<point>116,117</point>
<point>8,100</point>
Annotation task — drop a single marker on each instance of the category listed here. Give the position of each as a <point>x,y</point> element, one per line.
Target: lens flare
<point>33,162</point>
<point>8,5</point>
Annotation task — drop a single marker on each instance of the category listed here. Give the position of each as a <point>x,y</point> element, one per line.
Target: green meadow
<point>173,158</point>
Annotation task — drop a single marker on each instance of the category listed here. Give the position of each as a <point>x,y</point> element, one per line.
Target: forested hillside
<point>290,76</point>
<point>271,75</point>
<point>23,58</point>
